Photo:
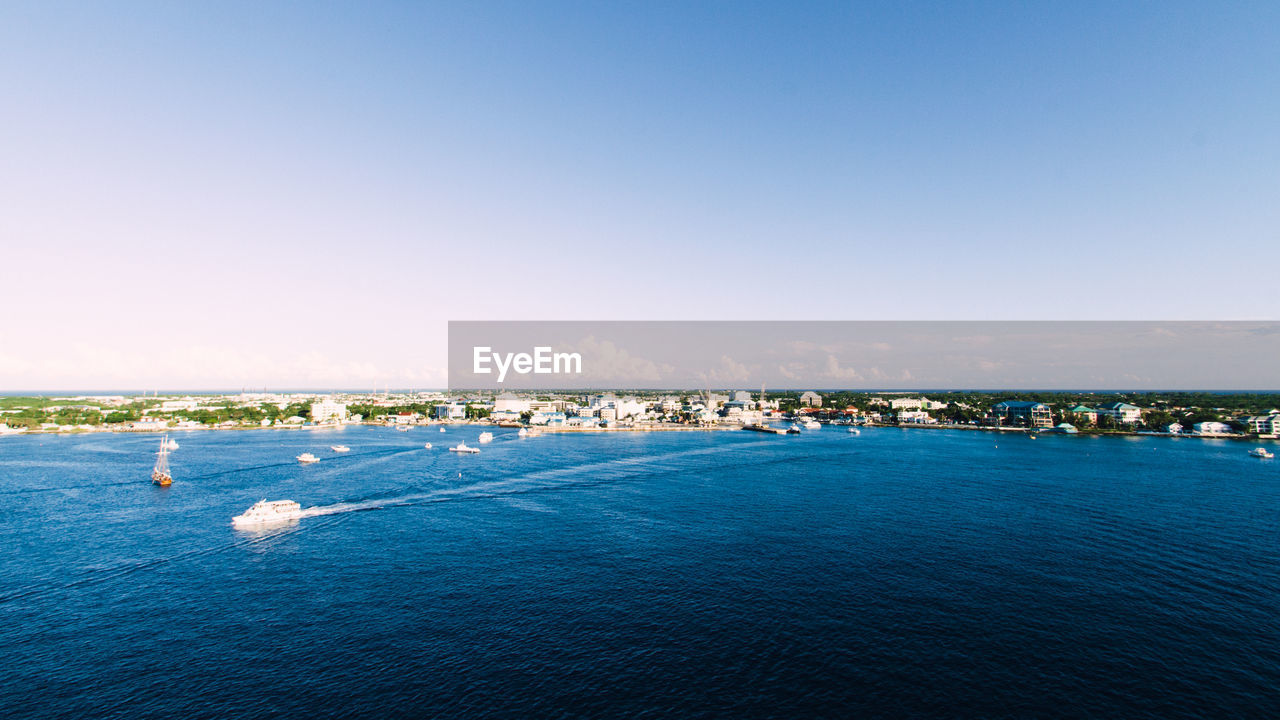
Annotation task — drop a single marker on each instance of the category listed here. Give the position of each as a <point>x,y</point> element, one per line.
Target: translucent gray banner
<point>1142,355</point>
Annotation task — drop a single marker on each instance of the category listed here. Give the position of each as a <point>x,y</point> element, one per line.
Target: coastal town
<point>1205,415</point>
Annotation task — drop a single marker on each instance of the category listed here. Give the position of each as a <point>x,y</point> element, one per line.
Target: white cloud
<point>835,372</point>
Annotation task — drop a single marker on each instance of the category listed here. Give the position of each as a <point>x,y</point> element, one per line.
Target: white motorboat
<point>1262,453</point>
<point>523,432</point>
<point>441,429</point>
<point>463,448</point>
<point>339,448</point>
<point>486,437</point>
<point>266,512</point>
<point>306,458</point>
<point>855,431</point>
<point>427,446</point>
<point>402,428</point>
<point>810,424</point>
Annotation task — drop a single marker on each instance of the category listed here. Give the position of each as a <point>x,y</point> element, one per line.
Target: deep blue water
<point>720,574</point>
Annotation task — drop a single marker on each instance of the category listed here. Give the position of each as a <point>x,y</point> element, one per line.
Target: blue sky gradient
<point>304,193</point>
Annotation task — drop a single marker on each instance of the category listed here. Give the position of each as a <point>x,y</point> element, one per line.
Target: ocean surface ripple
<point>721,574</point>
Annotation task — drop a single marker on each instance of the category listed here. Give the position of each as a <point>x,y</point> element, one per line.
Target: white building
<point>325,409</point>
<point>509,403</point>
<point>811,399</point>
<point>907,403</point>
<point>1122,413</point>
<point>178,405</point>
<point>1265,424</point>
<point>914,417</point>
<point>1211,428</point>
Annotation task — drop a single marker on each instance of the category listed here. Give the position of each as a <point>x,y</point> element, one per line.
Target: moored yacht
<point>266,512</point>
<point>810,424</point>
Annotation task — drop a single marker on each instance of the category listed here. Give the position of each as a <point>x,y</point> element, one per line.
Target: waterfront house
<point>914,417</point>
<point>1264,424</point>
<point>1085,413</point>
<point>1122,413</point>
<point>1211,428</point>
<point>1021,413</point>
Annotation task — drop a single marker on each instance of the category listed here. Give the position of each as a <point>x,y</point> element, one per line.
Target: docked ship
<point>306,458</point>
<point>463,448</point>
<point>268,513</point>
<point>486,437</point>
<point>160,473</point>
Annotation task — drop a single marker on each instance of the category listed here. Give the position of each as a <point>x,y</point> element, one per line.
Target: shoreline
<point>636,428</point>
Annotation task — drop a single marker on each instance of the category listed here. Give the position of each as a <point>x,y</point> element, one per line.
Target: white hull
<point>266,514</point>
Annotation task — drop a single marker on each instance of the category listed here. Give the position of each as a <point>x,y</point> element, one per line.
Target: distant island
<point>1203,414</point>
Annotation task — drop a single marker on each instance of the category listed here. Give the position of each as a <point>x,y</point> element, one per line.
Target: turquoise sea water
<point>696,574</point>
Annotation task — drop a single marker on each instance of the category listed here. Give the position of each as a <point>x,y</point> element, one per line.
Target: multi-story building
<point>326,410</point>
<point>1122,413</point>
<point>1022,413</point>
<point>811,399</point>
<point>1085,413</point>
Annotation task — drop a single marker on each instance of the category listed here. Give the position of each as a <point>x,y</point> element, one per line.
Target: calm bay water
<point>726,574</point>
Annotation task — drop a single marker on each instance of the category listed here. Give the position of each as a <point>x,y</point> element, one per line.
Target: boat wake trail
<point>94,577</point>
<point>556,479</point>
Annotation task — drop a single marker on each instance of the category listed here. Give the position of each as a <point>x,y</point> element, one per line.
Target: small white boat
<point>810,425</point>
<point>268,513</point>
<point>855,431</point>
<point>441,429</point>
<point>170,444</point>
<point>306,458</point>
<point>463,448</point>
<point>402,428</point>
<point>486,437</point>
<point>522,433</point>
<point>339,448</point>
<point>1262,453</point>
<point>427,446</point>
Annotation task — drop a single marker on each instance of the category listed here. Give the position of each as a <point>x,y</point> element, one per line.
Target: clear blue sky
<point>227,194</point>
